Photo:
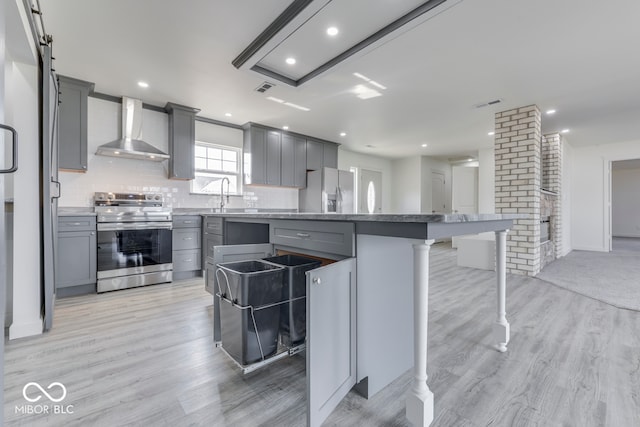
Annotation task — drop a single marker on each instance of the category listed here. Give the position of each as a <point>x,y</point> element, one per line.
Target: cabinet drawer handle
<point>187,222</point>
<point>303,235</point>
<point>187,238</point>
<point>316,281</point>
<point>75,223</point>
<point>93,233</point>
<point>186,260</point>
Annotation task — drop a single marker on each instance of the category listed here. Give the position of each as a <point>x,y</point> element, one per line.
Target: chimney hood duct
<point>131,145</point>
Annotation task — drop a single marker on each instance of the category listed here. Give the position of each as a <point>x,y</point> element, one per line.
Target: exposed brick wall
<point>517,154</point>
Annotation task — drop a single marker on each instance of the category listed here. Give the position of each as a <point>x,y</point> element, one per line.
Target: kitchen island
<point>367,332</point>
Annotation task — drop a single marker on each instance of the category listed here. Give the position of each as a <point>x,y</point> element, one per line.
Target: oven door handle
<point>115,226</point>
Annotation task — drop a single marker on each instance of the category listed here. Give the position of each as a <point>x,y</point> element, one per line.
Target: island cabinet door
<point>230,253</point>
<point>331,337</point>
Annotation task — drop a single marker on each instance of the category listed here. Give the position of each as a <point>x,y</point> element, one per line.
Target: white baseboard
<point>589,248</point>
<point>21,330</point>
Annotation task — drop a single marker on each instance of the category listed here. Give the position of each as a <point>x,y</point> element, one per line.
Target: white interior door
<point>370,192</point>
<point>438,201</point>
<point>464,190</point>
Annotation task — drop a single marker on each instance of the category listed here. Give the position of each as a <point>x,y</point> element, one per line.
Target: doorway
<point>370,192</point>
<point>438,201</point>
<point>625,206</point>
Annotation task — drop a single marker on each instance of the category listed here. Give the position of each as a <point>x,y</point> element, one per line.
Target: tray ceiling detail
<point>312,36</point>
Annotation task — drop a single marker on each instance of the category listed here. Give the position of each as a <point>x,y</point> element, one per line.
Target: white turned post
<point>501,326</point>
<point>420,398</point>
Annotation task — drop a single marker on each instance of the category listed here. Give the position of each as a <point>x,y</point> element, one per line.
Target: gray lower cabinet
<point>76,257</point>
<point>331,340</point>
<point>187,246</point>
<point>72,123</point>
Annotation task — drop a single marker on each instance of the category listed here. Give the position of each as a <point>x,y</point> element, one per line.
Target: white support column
<point>420,398</point>
<point>501,326</point>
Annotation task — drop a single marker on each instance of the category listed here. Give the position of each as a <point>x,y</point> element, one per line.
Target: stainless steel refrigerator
<point>328,190</point>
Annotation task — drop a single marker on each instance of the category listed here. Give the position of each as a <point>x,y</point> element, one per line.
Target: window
<point>213,163</point>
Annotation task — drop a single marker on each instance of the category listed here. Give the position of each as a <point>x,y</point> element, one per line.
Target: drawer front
<point>321,236</point>
<point>213,225</point>
<point>186,238</point>
<point>187,221</point>
<point>76,223</point>
<point>211,241</point>
<point>188,260</point>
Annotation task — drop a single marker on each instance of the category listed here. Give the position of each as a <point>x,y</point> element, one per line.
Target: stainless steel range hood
<point>131,145</point>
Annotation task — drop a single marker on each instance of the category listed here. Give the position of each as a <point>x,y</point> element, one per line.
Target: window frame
<point>237,174</point>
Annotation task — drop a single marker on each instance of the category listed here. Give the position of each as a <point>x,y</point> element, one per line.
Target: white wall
<point>348,159</point>
<point>625,185</point>
<point>406,182</point>
<point>428,165</point>
<point>566,192</point>
<point>486,181</point>
<point>129,175</point>
<point>590,190</point>
<point>21,101</point>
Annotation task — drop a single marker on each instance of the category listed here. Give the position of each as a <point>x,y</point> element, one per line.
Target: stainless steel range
<point>134,240</point>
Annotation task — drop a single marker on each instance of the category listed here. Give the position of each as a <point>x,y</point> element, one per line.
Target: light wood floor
<point>144,357</point>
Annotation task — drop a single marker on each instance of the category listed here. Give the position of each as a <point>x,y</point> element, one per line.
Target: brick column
<point>517,154</point>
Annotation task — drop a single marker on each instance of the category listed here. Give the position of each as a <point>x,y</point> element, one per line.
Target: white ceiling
<point>580,58</point>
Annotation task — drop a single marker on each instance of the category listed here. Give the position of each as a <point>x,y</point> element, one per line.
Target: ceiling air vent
<point>486,104</point>
<point>264,87</point>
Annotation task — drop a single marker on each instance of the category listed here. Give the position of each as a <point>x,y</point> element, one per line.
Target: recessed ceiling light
<point>364,92</point>
<point>332,31</point>
<point>343,134</point>
<point>285,127</point>
<point>565,131</point>
<point>116,152</point>
<point>549,112</point>
<point>152,156</point>
<point>424,145</point>
<point>491,133</point>
<point>290,60</point>
<point>143,84</point>
<point>228,114</point>
<point>469,160</point>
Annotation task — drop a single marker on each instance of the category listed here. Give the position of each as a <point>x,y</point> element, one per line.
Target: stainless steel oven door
<point>133,248</point>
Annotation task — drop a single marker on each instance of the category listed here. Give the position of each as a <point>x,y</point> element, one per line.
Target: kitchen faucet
<point>222,192</point>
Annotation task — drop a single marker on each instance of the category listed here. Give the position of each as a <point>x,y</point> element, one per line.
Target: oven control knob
<point>157,197</point>
<point>111,196</point>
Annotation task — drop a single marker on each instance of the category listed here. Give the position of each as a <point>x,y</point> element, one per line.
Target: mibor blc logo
<point>34,393</point>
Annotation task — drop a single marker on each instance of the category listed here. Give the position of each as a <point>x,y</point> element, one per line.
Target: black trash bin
<point>293,313</point>
<point>250,299</point>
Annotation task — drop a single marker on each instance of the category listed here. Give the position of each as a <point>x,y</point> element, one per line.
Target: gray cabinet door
<point>288,159</point>
<point>300,163</point>
<point>331,339</point>
<point>254,153</point>
<point>273,158</point>
<point>72,124</point>
<point>77,262</point>
<point>229,254</point>
<point>315,155</point>
<point>330,155</point>
<point>182,141</point>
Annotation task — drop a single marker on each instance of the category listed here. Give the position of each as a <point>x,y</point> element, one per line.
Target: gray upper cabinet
<point>255,155</point>
<point>72,123</point>
<point>273,157</point>
<point>274,153</point>
<point>182,141</point>
<point>315,155</point>
<point>330,155</point>
<point>294,161</point>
